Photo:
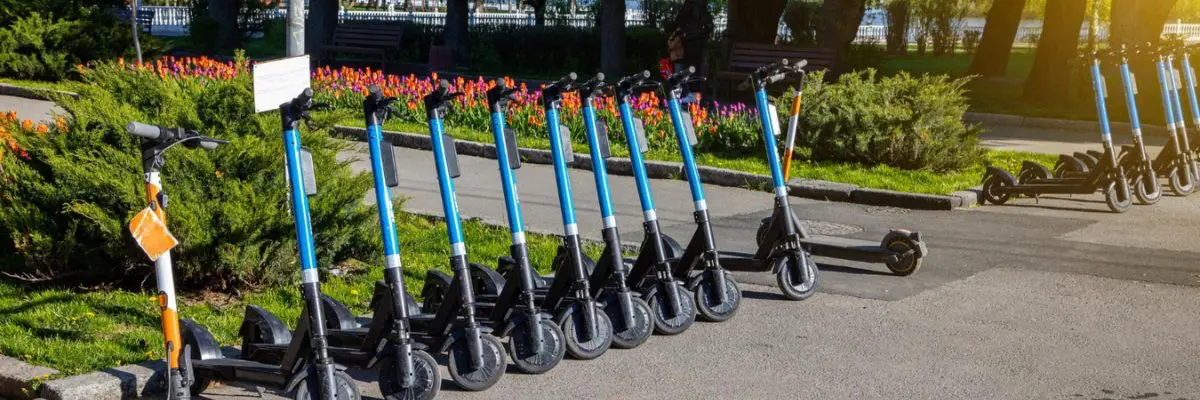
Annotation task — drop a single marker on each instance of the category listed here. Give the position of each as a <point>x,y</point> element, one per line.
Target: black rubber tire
<point>643,324</point>
<point>907,265</point>
<point>783,264</point>
<point>426,383</point>
<point>707,307</point>
<point>1112,197</point>
<point>681,322</point>
<point>310,388</point>
<point>989,187</point>
<point>487,374</point>
<point>521,353</point>
<point>1144,196</point>
<point>1175,182</point>
<point>593,348</point>
<point>1026,176</point>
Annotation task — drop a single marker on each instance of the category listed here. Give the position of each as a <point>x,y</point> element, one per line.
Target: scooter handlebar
<point>566,82</point>
<point>147,131</point>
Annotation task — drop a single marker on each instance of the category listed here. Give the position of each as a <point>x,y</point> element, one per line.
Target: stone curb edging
<point>18,378</point>
<point>117,383</point>
<point>31,93</point>
<point>807,188</point>
<point>1063,124</point>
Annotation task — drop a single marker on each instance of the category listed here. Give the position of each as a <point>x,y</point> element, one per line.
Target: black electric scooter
<point>306,368</point>
<point>510,309</point>
<point>999,186</point>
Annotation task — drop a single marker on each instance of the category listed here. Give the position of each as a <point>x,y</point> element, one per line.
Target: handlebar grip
<point>304,97</point>
<point>374,90</point>
<point>800,64</point>
<point>151,132</point>
<point>209,144</point>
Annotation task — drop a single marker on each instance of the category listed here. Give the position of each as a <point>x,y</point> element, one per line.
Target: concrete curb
<point>30,93</point>
<point>807,188</point>
<point>1062,124</point>
<point>18,378</point>
<point>124,382</point>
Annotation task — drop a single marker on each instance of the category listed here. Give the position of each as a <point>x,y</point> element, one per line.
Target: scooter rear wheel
<point>1112,197</point>
<point>991,188</point>
<point>521,350</point>
<point>572,324</point>
<point>427,381</point>
<point>707,306</point>
<point>310,387</point>
<point>628,337</point>
<point>488,373</point>
<point>785,266</point>
<point>660,306</point>
<point>1144,194</point>
<point>907,265</point>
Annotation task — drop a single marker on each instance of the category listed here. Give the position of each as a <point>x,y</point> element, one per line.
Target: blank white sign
<point>279,81</point>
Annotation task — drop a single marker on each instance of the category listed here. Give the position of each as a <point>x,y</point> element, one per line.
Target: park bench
<point>363,39</point>
<point>743,58</point>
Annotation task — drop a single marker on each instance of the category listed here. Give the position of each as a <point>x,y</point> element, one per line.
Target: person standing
<point>689,34</point>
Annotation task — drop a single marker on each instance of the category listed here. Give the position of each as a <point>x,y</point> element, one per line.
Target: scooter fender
<point>915,237</point>
<point>381,295</point>
<point>485,280</point>
<point>1069,163</point>
<point>457,335</point>
<point>337,315</point>
<point>295,381</point>
<point>1041,170</point>
<point>436,282</point>
<point>197,337</point>
<point>275,332</point>
<point>997,171</point>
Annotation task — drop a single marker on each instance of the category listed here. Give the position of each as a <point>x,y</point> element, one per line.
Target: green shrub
<point>902,121</point>
<point>67,205</point>
<point>42,45</point>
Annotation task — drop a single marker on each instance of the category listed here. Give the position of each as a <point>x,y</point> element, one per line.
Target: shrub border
<point>806,188</point>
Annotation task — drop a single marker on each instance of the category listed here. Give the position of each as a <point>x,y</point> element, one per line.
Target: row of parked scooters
<point>1130,172</point>
<point>585,308</point>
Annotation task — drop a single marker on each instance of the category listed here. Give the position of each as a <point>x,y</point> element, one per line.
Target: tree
<point>539,11</point>
<point>899,14</point>
<point>838,26</point>
<point>1137,22</point>
<point>455,35</point>
<point>1050,79</point>
<point>755,21</point>
<point>322,21</point>
<point>224,13</point>
<point>611,21</point>
<point>1000,30</point>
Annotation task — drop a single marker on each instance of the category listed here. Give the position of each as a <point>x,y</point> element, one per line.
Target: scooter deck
<point>844,248</point>
<point>349,356</point>
<point>234,369</point>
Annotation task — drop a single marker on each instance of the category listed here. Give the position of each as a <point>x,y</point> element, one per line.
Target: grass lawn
<point>81,331</point>
<point>879,177</point>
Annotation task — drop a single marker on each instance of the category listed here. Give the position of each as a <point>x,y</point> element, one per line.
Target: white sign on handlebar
<point>279,81</point>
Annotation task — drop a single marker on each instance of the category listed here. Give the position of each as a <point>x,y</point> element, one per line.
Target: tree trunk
<point>754,21</point>
<point>838,26</point>
<point>455,35</point>
<point>611,21</point>
<point>322,21</point>
<point>1138,22</point>
<point>224,12</point>
<point>1050,78</point>
<point>539,11</point>
<point>999,32</point>
<point>899,13</point>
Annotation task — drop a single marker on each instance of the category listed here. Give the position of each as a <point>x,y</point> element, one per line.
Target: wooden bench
<point>743,58</point>
<point>380,40</point>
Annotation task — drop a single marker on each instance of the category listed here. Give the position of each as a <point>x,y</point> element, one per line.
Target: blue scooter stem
<point>764,115</point>
<point>639,164</point>
<point>1190,76</point>
<point>567,208</point>
<point>600,171</point>
<point>1180,121</point>
<point>1101,107</point>
<point>685,150</point>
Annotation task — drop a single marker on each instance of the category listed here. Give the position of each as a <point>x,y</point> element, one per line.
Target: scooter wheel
<point>707,305</point>
<point>785,266</point>
<point>628,337</point>
<point>907,265</point>
<point>488,373</point>
<point>520,350</point>
<point>991,190</point>
<point>426,378</point>
<point>660,307</point>
<point>1145,195</point>
<point>1112,197</point>
<point>1178,187</point>
<point>310,387</point>
<point>1028,176</point>
<point>572,324</point>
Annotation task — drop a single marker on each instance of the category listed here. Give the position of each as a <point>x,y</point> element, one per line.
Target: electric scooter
<point>999,186</point>
<point>674,308</point>
<point>900,250</point>
<point>1184,162</point>
<point>306,368</point>
<point>155,141</point>
<point>717,296</point>
<point>1190,80</point>
<point>509,309</point>
<point>567,295</point>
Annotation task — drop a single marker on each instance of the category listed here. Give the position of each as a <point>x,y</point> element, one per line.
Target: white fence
<point>174,21</point>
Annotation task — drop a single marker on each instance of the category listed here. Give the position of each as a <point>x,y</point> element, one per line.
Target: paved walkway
<point>1050,299</point>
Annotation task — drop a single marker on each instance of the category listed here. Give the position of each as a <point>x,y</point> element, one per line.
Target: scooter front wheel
<point>660,306</point>
<point>628,337</point>
<point>573,325</point>
<point>1147,192</point>
<point>708,306</point>
<point>489,371</point>
<point>310,387</point>
<point>910,261</point>
<point>1178,186</point>
<point>1112,196</point>
<point>427,381</point>
<point>797,275</point>
<point>521,350</point>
